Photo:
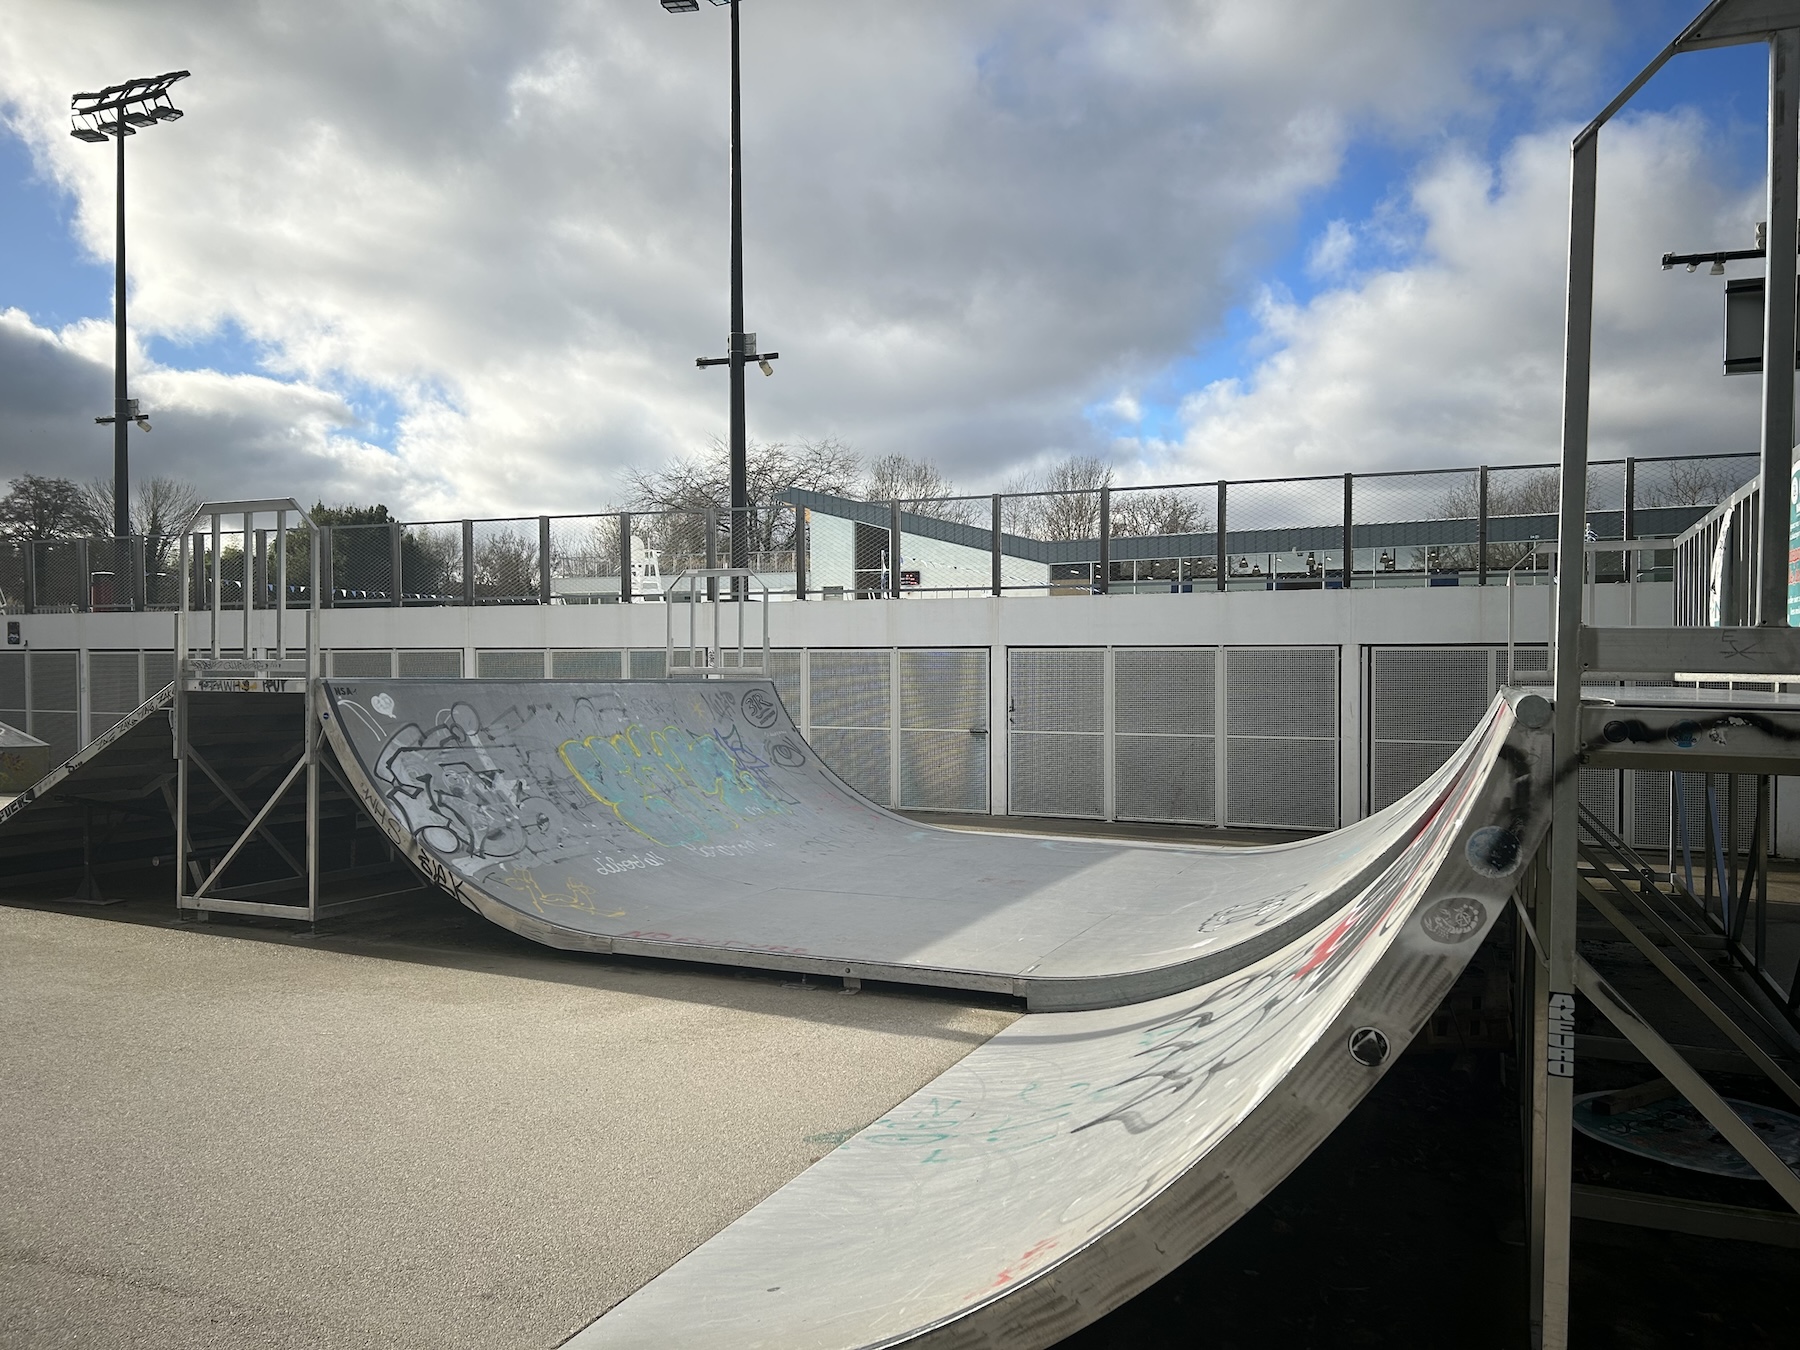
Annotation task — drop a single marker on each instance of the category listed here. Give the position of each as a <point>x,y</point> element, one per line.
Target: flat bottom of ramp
<point>217,1142</point>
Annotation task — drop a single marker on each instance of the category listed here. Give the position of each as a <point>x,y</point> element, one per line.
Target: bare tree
<point>1061,502</point>
<point>1692,482</point>
<point>919,485</point>
<point>36,507</point>
<point>1159,511</point>
<point>160,505</point>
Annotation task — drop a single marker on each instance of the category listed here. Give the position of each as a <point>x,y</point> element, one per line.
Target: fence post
<point>801,519</point>
<point>327,567</point>
<point>1349,572</point>
<point>140,580</point>
<point>83,565</point>
<point>1481,526</point>
<point>31,586</point>
<point>1629,520</point>
<point>624,557</point>
<point>543,560</point>
<point>468,562</point>
<point>394,578</point>
<point>894,558</point>
<point>999,575</point>
<point>712,553</point>
<point>1219,538</point>
<point>1103,582</point>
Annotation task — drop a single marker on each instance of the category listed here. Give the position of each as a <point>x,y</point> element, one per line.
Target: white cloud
<point>966,224</point>
<point>1456,357</point>
<point>1333,251</point>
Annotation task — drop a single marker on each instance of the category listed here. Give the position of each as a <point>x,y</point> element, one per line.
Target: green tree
<point>37,507</point>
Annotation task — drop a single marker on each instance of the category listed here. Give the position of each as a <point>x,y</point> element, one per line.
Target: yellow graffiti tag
<point>573,895</point>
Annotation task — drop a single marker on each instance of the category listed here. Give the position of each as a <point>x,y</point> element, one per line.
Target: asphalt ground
<point>404,1131</point>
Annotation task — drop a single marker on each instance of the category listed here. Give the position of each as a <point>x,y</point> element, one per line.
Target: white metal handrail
<point>680,590</point>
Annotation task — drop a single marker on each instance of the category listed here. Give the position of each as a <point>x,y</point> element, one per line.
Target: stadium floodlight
<point>118,111</point>
<point>740,347</point>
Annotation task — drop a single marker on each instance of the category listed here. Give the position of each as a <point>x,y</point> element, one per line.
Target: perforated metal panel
<point>12,680</point>
<point>1423,703</point>
<point>1056,747</point>
<point>1164,691</point>
<point>859,757</point>
<point>1164,706</point>
<point>1168,778</point>
<point>596,663</point>
<point>159,671</point>
<point>1281,756</point>
<point>852,716</point>
<point>513,665</point>
<point>784,671</point>
<point>1057,689</point>
<point>112,683</point>
<point>1647,821</point>
<point>55,683</point>
<point>852,688</point>
<point>944,731</point>
<point>649,665</point>
<point>1599,792</point>
<point>1055,775</point>
<point>439,664</point>
<point>362,665</point>
<point>59,730</point>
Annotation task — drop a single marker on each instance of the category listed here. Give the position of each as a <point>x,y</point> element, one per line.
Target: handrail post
<point>1773,599</point>
<point>1481,525</point>
<point>1103,579</point>
<point>1219,550</point>
<point>999,574</point>
<point>712,552</point>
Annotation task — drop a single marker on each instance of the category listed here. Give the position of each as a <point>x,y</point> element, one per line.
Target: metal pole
<point>1349,569</point>
<point>281,585</point>
<point>999,575</point>
<point>394,578</point>
<point>544,586</point>
<point>121,449</point>
<point>801,520</point>
<point>893,534</point>
<point>1481,528</point>
<point>1219,538</point>
<point>1778,330</point>
<point>1103,582</point>
<point>311,731</point>
<point>712,543</point>
<point>740,469</point>
<point>468,561</point>
<point>1557,925</point>
<point>244,583</point>
<point>625,557</point>
<point>181,728</point>
<point>218,583</point>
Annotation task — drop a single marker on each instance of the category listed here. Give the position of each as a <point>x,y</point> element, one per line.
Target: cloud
<point>1455,357</point>
<point>965,223</point>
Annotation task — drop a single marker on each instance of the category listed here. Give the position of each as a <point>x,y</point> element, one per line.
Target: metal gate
<point>906,726</point>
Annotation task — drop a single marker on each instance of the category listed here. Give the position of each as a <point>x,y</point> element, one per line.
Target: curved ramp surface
<point>1079,1156</point>
<point>691,820</point>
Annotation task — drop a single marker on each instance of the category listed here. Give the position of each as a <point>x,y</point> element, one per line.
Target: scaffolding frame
<point>1768,648</point>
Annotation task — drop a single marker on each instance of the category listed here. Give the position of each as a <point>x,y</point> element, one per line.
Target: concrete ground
<point>416,1131</point>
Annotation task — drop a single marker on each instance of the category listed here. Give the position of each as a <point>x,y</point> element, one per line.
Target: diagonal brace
<point>1664,1058</point>
<point>253,828</point>
<point>255,817</point>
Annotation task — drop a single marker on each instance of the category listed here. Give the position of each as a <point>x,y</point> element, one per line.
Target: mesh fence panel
<point>506,562</point>
<point>59,580</point>
<point>1522,505</point>
<point>362,565</point>
<point>14,596</point>
<point>431,563</point>
<point>584,559</point>
<point>1285,533</point>
<point>946,545</point>
<point>1701,480</point>
<point>1413,527</point>
<point>1061,531</point>
<point>1162,537</point>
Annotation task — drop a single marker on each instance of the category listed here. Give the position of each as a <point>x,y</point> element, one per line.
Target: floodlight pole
<point>121,419</point>
<point>740,447</point>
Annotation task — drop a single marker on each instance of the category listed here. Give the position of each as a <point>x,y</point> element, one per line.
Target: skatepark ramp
<point>1200,1017</point>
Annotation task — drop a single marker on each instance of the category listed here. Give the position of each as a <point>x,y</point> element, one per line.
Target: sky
<point>458,258</point>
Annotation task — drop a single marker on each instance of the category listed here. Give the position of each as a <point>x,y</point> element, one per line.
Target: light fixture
<point>1717,269</point>
<point>766,368</point>
<point>87,134</point>
<point>682,6</point>
<point>140,119</point>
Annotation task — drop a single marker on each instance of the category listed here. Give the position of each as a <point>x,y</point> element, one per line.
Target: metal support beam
<point>544,584</point>
<point>394,578</point>
<point>999,575</point>
<point>1349,571</point>
<point>1690,1084</point>
<point>1219,550</point>
<point>1481,527</point>
<point>468,560</point>
<point>1778,330</point>
<point>894,549</point>
<point>625,557</point>
<point>802,519</point>
<point>1556,918</point>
